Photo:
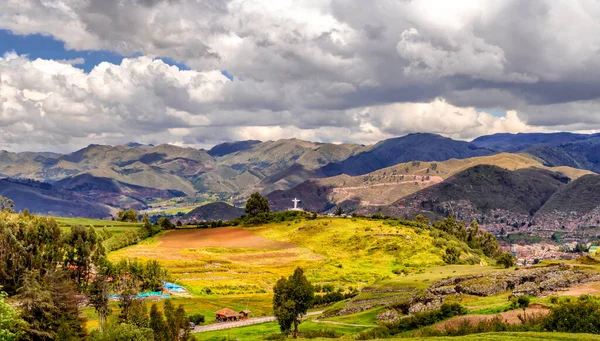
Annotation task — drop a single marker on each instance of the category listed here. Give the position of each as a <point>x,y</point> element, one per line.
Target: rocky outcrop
<point>388,316</point>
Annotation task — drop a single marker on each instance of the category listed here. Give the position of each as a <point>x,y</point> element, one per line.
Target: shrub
<point>325,333</point>
<point>418,320</point>
<point>506,259</point>
<point>196,318</point>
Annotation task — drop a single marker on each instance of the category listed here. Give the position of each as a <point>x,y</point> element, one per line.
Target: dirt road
<point>243,323</point>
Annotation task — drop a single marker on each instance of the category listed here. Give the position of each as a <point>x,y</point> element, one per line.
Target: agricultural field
<point>342,252</point>
<point>116,234</point>
<point>113,226</point>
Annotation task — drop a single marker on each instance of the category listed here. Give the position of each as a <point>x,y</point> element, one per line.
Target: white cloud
<point>348,70</point>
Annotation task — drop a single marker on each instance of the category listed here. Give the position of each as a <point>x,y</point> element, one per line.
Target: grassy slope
<point>353,251</point>
<point>343,252</point>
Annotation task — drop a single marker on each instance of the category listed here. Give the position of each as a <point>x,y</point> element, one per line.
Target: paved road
<point>243,323</point>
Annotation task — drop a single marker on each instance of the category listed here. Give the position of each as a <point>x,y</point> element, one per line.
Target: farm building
<point>226,315</point>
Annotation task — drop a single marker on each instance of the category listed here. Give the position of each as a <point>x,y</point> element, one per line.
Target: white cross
<point>296,201</point>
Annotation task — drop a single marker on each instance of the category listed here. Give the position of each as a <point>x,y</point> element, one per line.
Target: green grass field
<point>263,331</point>
<point>113,226</point>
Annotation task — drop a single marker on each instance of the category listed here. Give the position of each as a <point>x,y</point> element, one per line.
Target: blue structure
<point>173,287</point>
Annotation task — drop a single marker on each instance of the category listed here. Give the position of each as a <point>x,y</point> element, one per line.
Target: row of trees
<point>50,273</point>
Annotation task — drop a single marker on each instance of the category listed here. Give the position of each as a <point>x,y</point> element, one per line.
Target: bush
<point>506,259</point>
<point>197,319</point>
<point>578,316</point>
<point>418,320</point>
<point>325,333</point>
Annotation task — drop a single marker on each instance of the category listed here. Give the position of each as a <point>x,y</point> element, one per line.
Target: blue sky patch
<point>46,47</point>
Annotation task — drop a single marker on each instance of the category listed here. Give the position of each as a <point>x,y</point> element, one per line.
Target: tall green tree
<point>157,324</point>
<point>138,314</point>
<point>50,306</point>
<point>83,247</point>
<point>291,299</point>
<point>27,244</point>
<point>98,293</point>
<point>256,205</point>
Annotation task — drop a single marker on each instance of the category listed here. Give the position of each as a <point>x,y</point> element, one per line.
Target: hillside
<point>114,193</point>
<point>213,212</point>
<point>47,199</point>
<point>556,149</point>
<point>516,142</point>
<point>387,185</point>
<point>282,164</point>
<point>489,194</point>
<point>413,147</point>
<point>576,205</point>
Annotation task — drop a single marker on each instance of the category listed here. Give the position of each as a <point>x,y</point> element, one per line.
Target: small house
<point>226,315</point>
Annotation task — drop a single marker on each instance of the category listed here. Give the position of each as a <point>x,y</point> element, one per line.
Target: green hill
<point>213,212</point>
<point>485,193</point>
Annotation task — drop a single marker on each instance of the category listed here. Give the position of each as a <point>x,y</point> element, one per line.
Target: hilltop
<point>556,149</point>
<point>213,212</point>
<point>485,193</point>
<point>412,147</point>
<point>385,186</point>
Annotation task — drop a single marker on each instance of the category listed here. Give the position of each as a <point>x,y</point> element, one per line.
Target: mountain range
<point>541,178</point>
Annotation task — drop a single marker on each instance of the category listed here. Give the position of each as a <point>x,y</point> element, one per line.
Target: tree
<point>157,323</point>
<point>165,223</point>
<point>6,205</point>
<point>82,248</point>
<point>128,215</point>
<point>339,211</point>
<point>291,299</point>
<point>11,325</point>
<point>138,314</point>
<point>27,244</point>
<point>197,318</point>
<point>257,204</point>
<point>98,292</point>
<point>506,259</point>
<point>148,226</point>
<point>50,307</point>
<point>452,255</point>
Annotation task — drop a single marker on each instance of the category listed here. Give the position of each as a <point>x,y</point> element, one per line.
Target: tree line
<point>48,274</point>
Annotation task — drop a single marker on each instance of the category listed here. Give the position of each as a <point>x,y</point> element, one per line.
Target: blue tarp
<point>144,295</point>
<point>173,287</point>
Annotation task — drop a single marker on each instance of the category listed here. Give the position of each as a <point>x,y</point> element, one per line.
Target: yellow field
<point>343,252</point>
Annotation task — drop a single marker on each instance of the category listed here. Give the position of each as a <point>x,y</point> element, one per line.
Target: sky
<point>201,72</point>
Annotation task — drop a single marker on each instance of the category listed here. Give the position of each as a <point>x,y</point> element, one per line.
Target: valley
<point>399,228</point>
